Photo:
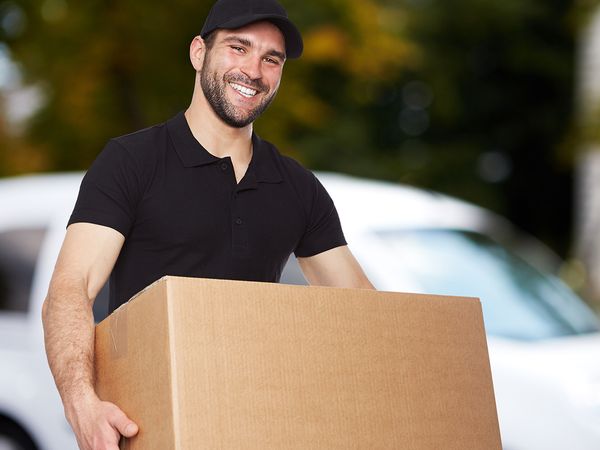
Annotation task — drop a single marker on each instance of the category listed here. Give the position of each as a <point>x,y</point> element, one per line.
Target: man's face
<point>242,70</point>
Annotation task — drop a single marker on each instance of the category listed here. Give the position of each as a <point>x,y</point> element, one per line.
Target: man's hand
<point>99,425</point>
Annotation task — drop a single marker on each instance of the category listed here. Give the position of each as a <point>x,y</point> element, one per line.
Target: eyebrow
<point>247,43</point>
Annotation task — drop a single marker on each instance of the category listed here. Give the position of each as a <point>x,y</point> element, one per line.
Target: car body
<point>31,415</point>
<point>544,343</point>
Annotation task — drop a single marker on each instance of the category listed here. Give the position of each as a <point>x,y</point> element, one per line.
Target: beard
<point>214,91</point>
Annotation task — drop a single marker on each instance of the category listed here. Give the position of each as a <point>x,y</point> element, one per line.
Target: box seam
<point>173,367</point>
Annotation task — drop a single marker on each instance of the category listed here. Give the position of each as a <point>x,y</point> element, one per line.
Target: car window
<point>19,249</point>
<point>518,301</point>
<point>292,274</point>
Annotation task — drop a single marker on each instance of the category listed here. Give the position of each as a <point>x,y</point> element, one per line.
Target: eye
<point>237,49</point>
<point>272,60</point>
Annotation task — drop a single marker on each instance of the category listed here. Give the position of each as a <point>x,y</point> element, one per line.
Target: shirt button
<point>239,221</point>
<point>224,166</point>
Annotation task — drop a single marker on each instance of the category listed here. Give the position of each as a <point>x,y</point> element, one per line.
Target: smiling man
<point>200,195</point>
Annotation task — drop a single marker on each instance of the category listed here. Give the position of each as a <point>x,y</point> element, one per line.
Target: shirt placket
<point>239,228</point>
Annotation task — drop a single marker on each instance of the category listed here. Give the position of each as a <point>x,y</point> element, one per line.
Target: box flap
<point>133,365</point>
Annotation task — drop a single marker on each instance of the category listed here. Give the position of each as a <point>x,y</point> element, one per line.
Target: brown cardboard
<point>213,364</point>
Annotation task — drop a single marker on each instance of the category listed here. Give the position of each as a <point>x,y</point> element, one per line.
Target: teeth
<point>246,92</point>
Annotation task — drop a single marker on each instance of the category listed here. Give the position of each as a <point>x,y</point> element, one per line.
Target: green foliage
<point>503,77</point>
<point>111,67</point>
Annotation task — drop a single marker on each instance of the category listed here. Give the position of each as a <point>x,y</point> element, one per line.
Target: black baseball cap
<point>231,14</point>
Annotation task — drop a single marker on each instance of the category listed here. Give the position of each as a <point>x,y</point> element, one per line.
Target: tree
<point>501,74</point>
<point>586,267</point>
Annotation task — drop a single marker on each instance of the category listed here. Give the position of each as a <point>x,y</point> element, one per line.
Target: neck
<point>216,136</point>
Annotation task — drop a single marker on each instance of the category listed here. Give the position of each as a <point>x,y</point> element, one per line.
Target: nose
<point>252,67</point>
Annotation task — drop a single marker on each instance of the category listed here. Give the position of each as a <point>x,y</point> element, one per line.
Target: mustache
<point>242,79</point>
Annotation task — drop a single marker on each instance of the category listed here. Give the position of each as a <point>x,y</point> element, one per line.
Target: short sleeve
<point>324,230</point>
<point>109,191</point>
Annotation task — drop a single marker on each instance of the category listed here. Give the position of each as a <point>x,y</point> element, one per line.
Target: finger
<point>131,430</point>
<point>107,438</point>
<point>123,424</point>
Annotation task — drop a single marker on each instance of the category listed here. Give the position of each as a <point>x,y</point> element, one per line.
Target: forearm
<point>336,267</point>
<point>85,261</point>
<point>69,339</point>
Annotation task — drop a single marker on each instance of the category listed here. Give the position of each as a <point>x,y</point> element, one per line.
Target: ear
<point>197,52</point>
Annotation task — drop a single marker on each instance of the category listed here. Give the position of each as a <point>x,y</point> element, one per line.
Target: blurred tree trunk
<point>587,202</point>
<point>587,226</point>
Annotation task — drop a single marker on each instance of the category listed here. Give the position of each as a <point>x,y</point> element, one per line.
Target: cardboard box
<point>212,364</point>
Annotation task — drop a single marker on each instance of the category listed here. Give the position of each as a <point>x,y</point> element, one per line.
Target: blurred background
<point>477,99</point>
<point>496,103</point>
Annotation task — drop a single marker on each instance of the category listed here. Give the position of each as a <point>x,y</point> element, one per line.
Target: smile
<point>246,92</point>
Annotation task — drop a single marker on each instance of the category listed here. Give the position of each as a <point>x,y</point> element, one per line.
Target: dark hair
<point>209,40</point>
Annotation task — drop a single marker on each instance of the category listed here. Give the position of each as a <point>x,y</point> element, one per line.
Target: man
<point>199,195</point>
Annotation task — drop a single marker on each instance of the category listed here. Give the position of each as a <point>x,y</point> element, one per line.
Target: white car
<point>544,343</point>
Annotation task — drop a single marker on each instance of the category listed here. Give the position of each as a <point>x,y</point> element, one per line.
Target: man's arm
<point>86,258</point>
<point>336,267</point>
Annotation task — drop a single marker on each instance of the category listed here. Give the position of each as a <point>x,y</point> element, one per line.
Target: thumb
<point>124,424</point>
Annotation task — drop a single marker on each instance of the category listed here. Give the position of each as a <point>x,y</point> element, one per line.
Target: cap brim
<point>293,39</point>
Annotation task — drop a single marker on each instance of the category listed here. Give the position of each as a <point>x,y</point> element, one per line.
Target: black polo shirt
<point>182,212</point>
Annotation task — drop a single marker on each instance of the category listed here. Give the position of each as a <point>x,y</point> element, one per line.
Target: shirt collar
<point>263,164</point>
<point>190,151</point>
<point>263,167</point>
